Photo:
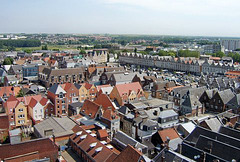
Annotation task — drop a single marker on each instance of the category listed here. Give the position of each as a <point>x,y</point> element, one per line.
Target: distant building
<point>231,44</point>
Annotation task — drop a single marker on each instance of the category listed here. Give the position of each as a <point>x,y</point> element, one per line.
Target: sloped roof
<point>56,89</point>
<point>125,88</point>
<point>129,154</point>
<point>226,95</point>
<point>61,126</point>
<point>104,101</point>
<point>90,108</point>
<point>171,133</point>
<point>32,103</point>
<point>167,113</point>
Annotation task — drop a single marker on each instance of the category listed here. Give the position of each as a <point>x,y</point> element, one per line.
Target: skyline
<point>142,17</point>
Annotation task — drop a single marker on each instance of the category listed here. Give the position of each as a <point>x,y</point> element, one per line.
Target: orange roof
<point>88,127</point>
<point>102,133</point>
<point>90,108</point>
<point>172,88</point>
<point>46,59</point>
<point>104,101</point>
<point>233,73</point>
<point>8,90</point>
<point>91,69</point>
<point>128,154</point>
<point>26,100</point>
<point>109,114</point>
<point>32,103</point>
<point>215,58</point>
<point>125,88</point>
<point>102,86</point>
<point>43,101</point>
<point>87,85</point>
<point>170,133</point>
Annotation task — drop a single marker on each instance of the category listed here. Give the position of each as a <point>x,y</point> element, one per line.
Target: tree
<point>125,50</point>
<point>220,54</point>
<point>135,50</point>
<point>8,61</point>
<point>82,51</point>
<point>27,51</point>
<point>45,47</point>
<point>21,93</point>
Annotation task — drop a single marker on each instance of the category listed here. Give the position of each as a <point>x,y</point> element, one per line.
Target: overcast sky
<point>162,17</point>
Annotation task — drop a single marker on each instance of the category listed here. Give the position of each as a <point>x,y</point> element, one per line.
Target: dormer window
<point>60,95</point>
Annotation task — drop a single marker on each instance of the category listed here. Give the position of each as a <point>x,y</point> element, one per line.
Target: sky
<point>154,17</point>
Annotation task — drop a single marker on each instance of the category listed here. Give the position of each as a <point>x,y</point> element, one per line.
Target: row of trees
<point>235,56</point>
<point>165,53</point>
<point>218,54</point>
<point>188,53</point>
<point>20,43</point>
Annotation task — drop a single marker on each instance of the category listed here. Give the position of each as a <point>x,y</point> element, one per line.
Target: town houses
<point>80,106</point>
<point>188,64</point>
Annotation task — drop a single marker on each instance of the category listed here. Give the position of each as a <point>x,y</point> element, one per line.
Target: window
<point>61,95</point>
<point>20,110</point>
<point>63,101</point>
<point>219,101</point>
<point>11,110</point>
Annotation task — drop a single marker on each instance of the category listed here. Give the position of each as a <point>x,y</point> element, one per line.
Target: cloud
<point>196,7</point>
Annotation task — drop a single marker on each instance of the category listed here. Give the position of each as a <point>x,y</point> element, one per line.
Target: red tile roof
<point>32,103</point>
<point>87,85</point>
<point>8,90</point>
<point>12,98</point>
<point>4,123</point>
<point>44,148</point>
<point>26,100</point>
<point>43,101</point>
<point>102,86</point>
<point>104,101</point>
<point>90,108</point>
<point>102,133</point>
<point>128,154</point>
<point>102,155</point>
<point>126,88</point>
<point>170,133</point>
<point>109,115</point>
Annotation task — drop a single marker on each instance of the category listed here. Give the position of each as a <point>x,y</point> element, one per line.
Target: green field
<point>50,47</point>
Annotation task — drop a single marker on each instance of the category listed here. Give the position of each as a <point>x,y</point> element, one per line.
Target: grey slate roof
<point>220,149</point>
<point>56,89</point>
<point>167,113</point>
<point>226,95</point>
<point>214,124</point>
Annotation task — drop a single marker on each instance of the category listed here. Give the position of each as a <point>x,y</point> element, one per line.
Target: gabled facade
<point>58,97</point>
<point>124,93</point>
<point>21,115</point>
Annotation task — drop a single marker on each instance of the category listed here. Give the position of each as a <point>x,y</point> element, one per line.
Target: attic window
<point>110,147</point>
<point>83,137</point>
<point>93,144</point>
<point>97,150</point>
<point>93,134</point>
<point>103,142</point>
